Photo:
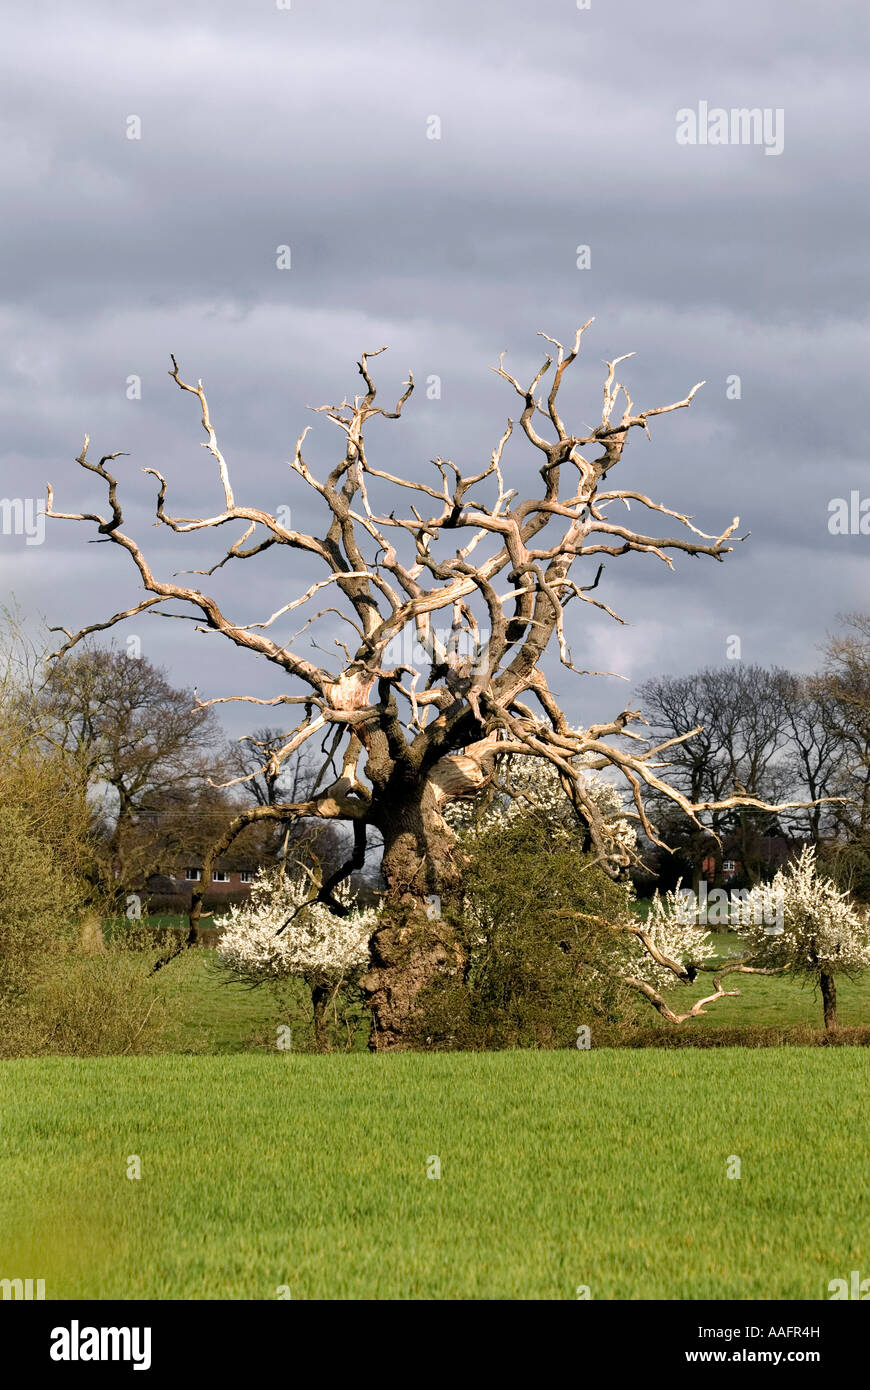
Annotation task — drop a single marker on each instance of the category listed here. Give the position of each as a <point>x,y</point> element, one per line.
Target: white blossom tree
<point>799,923</point>
<point>281,933</point>
<point>821,931</point>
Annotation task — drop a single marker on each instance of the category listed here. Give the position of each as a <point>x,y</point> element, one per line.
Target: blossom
<point>531,784</point>
<point>674,934</point>
<point>316,945</point>
<point>822,929</point>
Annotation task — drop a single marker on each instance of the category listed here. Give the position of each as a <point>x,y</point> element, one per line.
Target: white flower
<point>316,945</point>
<point>532,784</point>
<point>674,935</point>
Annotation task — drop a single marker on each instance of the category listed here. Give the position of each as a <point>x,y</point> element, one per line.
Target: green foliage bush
<point>535,969</point>
<point>54,998</point>
<point>37,902</point>
<point>61,988</point>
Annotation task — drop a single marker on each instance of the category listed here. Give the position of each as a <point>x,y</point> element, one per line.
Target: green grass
<point>769,1001</point>
<point>605,1169</point>
<point>212,1013</point>
<point>765,1001</point>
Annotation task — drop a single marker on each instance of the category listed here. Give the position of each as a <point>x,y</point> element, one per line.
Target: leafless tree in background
<point>268,780</point>
<point>138,739</point>
<point>742,717</point>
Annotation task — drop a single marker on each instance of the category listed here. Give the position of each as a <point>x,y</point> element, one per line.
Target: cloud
<point>308,127</point>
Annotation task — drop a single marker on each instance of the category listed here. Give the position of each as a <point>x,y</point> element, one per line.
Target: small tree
<point>822,934</point>
<point>799,922</point>
<point>280,933</point>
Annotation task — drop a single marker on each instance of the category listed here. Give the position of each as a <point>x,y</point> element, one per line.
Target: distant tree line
<point>151,767</point>
<point>778,737</point>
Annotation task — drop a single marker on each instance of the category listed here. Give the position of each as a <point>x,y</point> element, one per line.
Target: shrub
<point>94,1006</point>
<point>541,960</point>
<point>279,935</point>
<point>549,937</point>
<point>61,990</point>
<point>37,904</point>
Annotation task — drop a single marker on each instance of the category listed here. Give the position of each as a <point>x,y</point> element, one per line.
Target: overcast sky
<point>308,127</point>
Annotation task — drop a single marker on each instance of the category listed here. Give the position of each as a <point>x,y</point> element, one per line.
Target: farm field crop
<point>558,1169</point>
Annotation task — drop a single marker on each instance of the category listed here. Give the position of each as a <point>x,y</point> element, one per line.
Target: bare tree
<point>845,685</point>
<point>266,778</point>
<point>271,781</point>
<point>137,738</point>
<point>676,708</point>
<point>742,722</point>
<point>405,735</point>
<point>817,756</point>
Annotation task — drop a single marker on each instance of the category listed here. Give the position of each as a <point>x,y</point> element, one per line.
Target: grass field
<point>215,1014</point>
<point>559,1169</point>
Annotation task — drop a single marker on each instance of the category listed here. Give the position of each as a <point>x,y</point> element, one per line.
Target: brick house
<point>774,851</point>
<point>224,880</point>
<point>172,892</point>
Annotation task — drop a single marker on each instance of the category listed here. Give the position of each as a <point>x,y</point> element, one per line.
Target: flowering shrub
<point>674,935</point>
<point>530,786</point>
<point>317,946</point>
<point>328,952</point>
<point>823,931</point>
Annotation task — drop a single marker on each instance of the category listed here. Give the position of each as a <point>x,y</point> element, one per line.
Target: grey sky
<point>307,127</point>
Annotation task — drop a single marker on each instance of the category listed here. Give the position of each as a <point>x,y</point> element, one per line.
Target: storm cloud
<point>309,127</point>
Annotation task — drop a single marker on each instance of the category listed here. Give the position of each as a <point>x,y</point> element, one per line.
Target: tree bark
<point>415,945</point>
<point>828,987</point>
<point>320,1000</point>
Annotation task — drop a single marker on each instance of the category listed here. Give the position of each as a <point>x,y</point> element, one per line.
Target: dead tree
<point>404,735</point>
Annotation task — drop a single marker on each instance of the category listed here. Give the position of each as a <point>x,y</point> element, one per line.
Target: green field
<point>216,1014</point>
<point>558,1169</point>
<point>770,1001</point>
<point>213,1013</point>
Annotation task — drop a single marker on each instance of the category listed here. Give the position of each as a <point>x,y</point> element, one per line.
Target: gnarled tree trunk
<point>415,945</point>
